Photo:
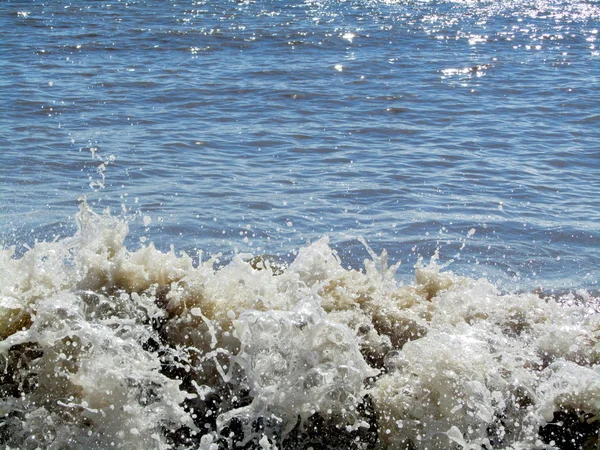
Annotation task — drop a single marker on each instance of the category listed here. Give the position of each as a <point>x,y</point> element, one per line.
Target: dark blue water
<point>472,128</point>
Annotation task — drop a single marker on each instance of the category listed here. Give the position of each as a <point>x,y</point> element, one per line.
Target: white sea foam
<point>106,347</point>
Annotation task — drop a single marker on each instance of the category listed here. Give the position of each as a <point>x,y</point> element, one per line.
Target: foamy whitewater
<point>104,347</point>
<point>258,156</point>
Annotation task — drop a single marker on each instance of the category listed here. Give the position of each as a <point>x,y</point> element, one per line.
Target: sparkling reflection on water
<point>261,125</point>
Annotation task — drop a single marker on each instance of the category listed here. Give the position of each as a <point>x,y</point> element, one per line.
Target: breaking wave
<point>104,347</point>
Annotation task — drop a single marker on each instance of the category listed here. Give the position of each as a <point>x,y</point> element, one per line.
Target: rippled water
<point>407,123</point>
<point>469,130</point>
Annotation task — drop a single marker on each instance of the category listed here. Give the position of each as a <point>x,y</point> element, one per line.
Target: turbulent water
<point>105,347</point>
<point>300,224</point>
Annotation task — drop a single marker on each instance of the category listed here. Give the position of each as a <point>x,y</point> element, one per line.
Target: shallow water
<point>284,136</point>
<point>406,123</point>
<point>104,347</point>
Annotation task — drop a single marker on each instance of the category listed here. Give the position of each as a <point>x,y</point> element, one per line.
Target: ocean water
<point>294,224</point>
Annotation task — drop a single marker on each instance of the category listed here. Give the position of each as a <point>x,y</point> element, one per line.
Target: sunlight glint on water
<point>248,152</point>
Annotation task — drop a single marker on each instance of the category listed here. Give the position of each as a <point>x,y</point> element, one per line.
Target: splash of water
<point>106,347</point>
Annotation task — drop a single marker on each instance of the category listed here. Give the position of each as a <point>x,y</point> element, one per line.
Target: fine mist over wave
<point>103,347</point>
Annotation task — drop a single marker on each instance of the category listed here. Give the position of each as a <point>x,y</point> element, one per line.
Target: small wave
<point>106,347</point>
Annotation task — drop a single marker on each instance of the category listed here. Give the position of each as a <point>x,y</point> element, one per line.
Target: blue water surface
<point>467,127</point>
